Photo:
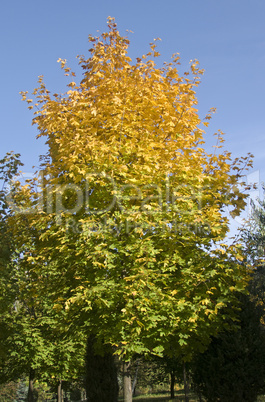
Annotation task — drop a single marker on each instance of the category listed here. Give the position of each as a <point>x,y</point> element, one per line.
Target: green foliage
<point>255,232</point>
<point>232,368</point>
<point>148,373</point>
<point>33,335</point>
<point>254,238</point>
<point>8,391</point>
<point>9,166</point>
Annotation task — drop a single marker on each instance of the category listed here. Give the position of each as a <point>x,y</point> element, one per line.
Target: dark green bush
<point>232,369</point>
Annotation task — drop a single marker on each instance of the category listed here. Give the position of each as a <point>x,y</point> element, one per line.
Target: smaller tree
<point>36,337</point>
<point>254,237</point>
<point>9,166</point>
<point>232,368</point>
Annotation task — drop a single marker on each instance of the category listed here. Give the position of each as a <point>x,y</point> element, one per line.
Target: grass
<point>179,397</point>
<point>161,397</point>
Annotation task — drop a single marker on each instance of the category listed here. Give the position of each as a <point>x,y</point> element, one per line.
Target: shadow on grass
<point>179,397</point>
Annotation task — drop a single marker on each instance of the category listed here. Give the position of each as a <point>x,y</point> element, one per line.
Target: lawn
<point>162,397</point>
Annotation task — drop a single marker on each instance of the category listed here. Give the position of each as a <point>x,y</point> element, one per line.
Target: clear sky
<point>226,36</point>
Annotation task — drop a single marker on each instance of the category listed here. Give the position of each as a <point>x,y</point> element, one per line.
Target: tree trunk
<point>101,373</point>
<point>127,382</point>
<point>59,392</point>
<point>172,384</point>
<point>30,390</point>
<point>135,378</point>
<point>186,384</point>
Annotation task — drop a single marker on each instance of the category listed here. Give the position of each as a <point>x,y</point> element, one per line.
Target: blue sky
<point>227,37</point>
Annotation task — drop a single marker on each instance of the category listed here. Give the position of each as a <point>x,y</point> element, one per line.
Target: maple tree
<point>129,211</point>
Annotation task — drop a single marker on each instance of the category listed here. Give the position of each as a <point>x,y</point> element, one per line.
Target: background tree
<point>232,368</point>
<point>130,215</point>
<point>148,372</point>
<point>35,339</point>
<point>43,344</point>
<point>9,166</point>
<point>254,239</point>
